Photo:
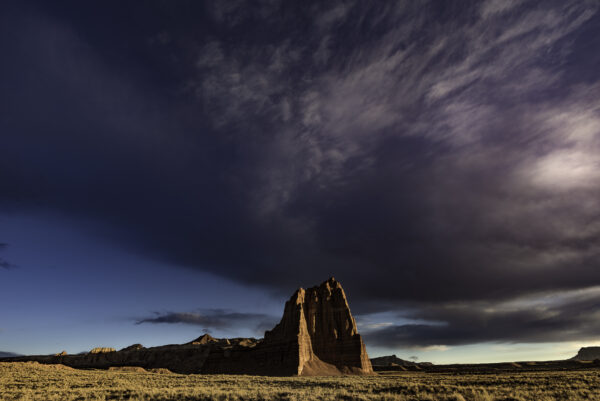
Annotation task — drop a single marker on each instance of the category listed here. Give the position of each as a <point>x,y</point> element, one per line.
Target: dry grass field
<point>32,381</point>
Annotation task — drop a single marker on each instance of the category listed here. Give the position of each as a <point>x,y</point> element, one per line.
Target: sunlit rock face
<point>319,333</point>
<point>102,350</point>
<point>316,336</point>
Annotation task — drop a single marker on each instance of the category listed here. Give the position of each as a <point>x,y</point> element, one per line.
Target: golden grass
<point>32,381</point>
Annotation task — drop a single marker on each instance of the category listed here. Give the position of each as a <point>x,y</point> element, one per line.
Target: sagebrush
<point>33,381</point>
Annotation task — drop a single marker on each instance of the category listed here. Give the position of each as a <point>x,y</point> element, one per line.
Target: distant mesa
<point>317,335</point>
<point>390,360</point>
<point>393,361</point>
<point>102,350</point>
<point>587,354</point>
<point>62,353</point>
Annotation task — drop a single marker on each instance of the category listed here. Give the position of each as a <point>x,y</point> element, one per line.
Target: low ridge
<point>391,360</point>
<point>5,354</point>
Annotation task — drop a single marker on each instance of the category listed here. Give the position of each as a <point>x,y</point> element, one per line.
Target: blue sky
<point>171,168</point>
<point>71,290</point>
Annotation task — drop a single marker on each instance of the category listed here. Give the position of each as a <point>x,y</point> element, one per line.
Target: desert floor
<point>32,381</point>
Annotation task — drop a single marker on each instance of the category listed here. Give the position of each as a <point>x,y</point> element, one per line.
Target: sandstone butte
<point>317,335</point>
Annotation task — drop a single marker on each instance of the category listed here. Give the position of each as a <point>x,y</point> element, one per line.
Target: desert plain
<point>34,381</point>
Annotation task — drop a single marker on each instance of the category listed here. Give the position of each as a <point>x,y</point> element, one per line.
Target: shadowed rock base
<point>316,336</point>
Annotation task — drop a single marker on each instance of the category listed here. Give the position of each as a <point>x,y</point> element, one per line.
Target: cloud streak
<point>216,319</point>
<point>567,316</point>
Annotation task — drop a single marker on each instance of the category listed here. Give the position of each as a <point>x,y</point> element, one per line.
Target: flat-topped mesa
<point>318,334</point>
<point>587,354</point>
<point>102,350</point>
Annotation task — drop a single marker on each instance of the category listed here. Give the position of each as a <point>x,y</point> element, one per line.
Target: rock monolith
<point>317,334</point>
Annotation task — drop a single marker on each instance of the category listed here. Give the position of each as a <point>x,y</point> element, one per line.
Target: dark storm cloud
<point>571,316</point>
<point>440,152</point>
<point>215,319</point>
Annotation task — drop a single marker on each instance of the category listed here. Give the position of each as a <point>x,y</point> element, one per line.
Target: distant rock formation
<point>134,347</point>
<point>62,353</point>
<point>317,335</point>
<point>204,339</point>
<point>393,360</point>
<point>587,354</point>
<point>102,350</point>
<point>136,369</point>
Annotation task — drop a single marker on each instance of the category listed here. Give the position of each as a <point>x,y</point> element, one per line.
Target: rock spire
<point>318,332</point>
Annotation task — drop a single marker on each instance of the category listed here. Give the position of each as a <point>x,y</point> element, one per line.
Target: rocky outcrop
<point>390,360</point>
<point>134,347</point>
<point>317,335</point>
<point>587,354</point>
<point>393,360</point>
<point>204,339</point>
<point>136,369</point>
<point>101,350</point>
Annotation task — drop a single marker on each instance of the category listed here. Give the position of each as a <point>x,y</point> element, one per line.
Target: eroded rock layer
<point>319,333</point>
<point>316,336</point>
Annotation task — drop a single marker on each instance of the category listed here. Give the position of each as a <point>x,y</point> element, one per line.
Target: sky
<point>170,168</point>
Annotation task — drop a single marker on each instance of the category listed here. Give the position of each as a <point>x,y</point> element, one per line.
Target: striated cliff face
<point>319,332</point>
<point>316,336</point>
